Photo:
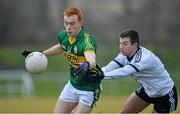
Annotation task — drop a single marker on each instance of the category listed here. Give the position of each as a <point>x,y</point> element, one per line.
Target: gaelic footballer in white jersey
<point>146,68</point>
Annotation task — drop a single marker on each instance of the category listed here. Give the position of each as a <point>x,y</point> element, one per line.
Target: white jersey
<point>145,68</point>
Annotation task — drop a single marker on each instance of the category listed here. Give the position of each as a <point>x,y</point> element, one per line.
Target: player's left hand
<point>25,53</point>
<point>82,69</point>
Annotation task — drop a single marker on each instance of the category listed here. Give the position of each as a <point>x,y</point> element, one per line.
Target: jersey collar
<point>130,58</point>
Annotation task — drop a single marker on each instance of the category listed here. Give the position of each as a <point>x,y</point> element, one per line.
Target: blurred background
<point>34,25</point>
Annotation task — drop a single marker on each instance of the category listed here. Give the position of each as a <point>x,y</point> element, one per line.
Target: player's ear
<point>81,23</point>
<point>135,44</point>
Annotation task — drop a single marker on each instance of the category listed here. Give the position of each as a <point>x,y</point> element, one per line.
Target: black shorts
<point>164,104</point>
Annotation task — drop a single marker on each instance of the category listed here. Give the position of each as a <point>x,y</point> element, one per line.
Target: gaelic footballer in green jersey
<point>79,48</point>
<point>74,53</point>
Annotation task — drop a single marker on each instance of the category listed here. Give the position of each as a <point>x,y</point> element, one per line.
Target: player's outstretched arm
<point>54,50</point>
<point>120,72</point>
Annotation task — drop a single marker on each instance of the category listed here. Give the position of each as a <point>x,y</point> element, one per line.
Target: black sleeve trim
<point>118,63</point>
<point>137,70</point>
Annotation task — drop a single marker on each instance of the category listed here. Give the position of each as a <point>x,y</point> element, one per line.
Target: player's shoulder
<point>145,54</point>
<point>89,35</point>
<point>61,35</point>
<point>85,34</point>
<point>89,39</point>
<point>120,56</point>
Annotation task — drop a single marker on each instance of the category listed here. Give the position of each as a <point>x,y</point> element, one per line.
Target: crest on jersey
<point>75,49</point>
<point>138,55</point>
<point>69,49</point>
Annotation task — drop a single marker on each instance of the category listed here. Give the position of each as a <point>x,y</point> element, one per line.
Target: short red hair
<point>74,11</point>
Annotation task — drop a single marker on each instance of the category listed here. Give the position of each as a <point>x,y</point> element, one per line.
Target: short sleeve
<point>146,62</point>
<point>114,64</point>
<point>89,43</point>
<point>120,59</point>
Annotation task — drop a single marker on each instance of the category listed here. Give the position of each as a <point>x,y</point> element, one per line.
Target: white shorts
<point>71,94</point>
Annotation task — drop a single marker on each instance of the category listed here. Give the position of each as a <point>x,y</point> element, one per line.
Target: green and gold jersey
<point>74,54</point>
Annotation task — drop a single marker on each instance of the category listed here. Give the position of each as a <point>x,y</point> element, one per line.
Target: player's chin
<point>123,53</point>
<point>70,34</point>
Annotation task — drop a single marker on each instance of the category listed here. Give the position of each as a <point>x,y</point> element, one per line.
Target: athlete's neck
<point>132,54</point>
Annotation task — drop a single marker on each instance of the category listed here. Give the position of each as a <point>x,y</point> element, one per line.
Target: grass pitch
<point>106,104</point>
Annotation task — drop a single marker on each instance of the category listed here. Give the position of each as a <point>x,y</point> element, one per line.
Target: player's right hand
<point>25,53</point>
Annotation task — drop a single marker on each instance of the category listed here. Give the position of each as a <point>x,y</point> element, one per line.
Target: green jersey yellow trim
<point>87,41</point>
<point>77,52</point>
<point>74,59</point>
<point>72,40</point>
<point>89,52</point>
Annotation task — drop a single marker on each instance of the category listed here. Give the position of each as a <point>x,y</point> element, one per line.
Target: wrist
<point>88,64</point>
<point>92,65</point>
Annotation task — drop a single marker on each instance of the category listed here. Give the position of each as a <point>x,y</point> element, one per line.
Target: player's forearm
<point>119,73</point>
<point>91,58</point>
<point>54,50</point>
<point>113,75</point>
<point>111,66</point>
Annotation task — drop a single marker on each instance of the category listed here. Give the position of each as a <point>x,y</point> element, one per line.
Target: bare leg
<point>64,107</point>
<point>134,104</point>
<point>82,108</point>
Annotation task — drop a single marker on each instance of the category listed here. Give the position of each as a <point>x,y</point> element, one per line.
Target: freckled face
<point>72,25</point>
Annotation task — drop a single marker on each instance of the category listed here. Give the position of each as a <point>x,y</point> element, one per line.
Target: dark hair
<point>132,34</point>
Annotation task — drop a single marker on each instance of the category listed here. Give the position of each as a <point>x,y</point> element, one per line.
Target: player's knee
<point>124,110</point>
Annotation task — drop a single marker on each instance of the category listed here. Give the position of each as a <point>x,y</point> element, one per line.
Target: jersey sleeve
<point>89,43</point>
<point>119,73</point>
<point>120,59</point>
<point>114,64</point>
<point>146,62</point>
